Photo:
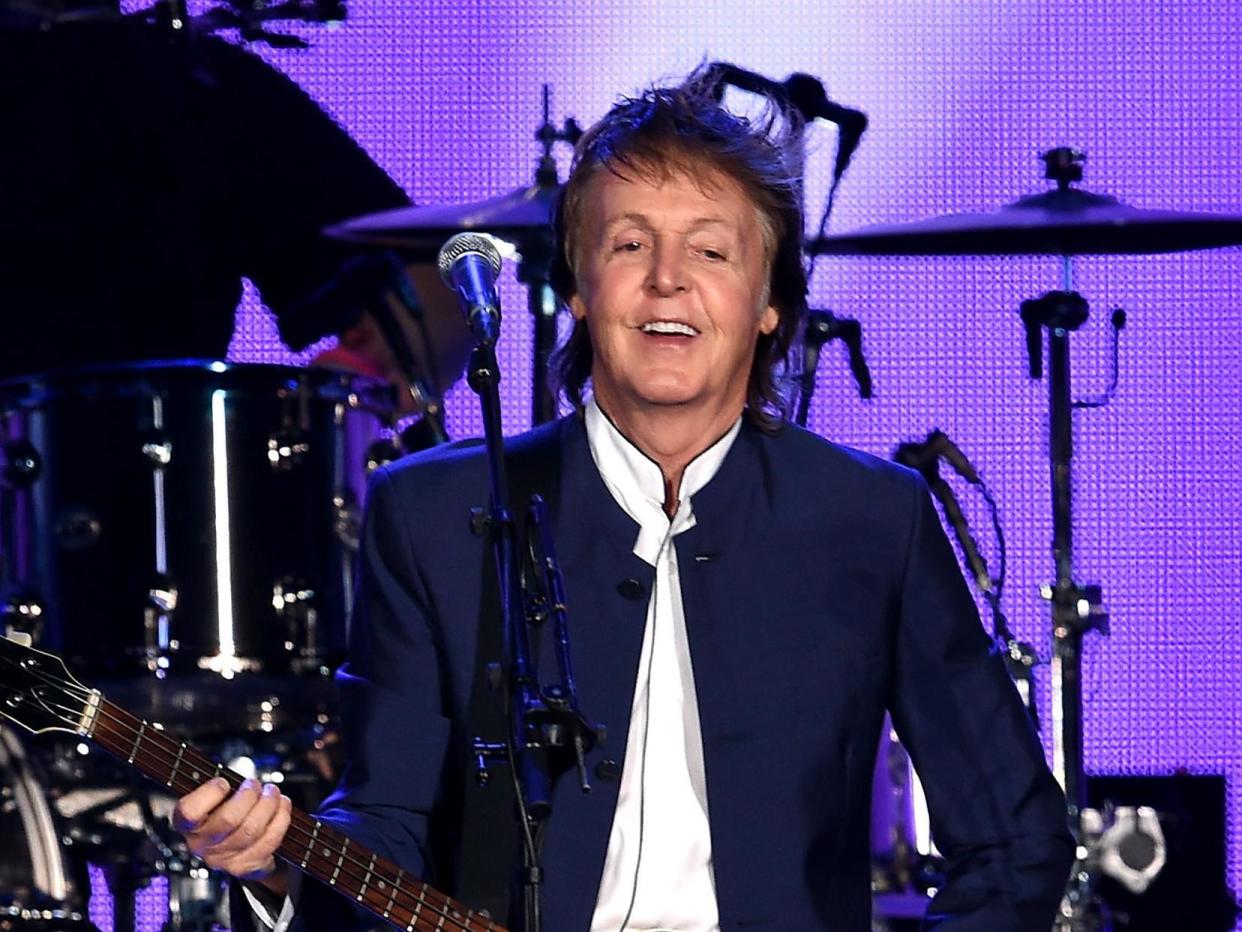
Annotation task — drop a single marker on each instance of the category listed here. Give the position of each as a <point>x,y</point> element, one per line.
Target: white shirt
<point>658,869</point>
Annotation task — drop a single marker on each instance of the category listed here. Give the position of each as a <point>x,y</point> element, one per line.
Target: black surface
<point>1190,892</point>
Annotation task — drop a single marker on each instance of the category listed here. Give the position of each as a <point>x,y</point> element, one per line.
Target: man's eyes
<point>711,253</point>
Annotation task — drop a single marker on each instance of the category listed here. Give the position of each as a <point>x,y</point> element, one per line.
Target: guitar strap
<point>489,852</point>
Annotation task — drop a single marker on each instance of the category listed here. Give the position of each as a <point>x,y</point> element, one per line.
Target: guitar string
<point>422,906</point>
<point>68,716</point>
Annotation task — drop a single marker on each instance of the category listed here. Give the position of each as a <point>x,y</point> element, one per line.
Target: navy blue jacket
<point>819,591</point>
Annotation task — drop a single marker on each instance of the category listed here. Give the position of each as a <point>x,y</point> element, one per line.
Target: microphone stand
<point>544,724</point>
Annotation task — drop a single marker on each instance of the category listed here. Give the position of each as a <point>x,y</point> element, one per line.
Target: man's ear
<point>769,319</point>
<point>577,307</point>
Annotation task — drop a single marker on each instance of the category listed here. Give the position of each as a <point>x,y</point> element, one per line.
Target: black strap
<point>489,851</point>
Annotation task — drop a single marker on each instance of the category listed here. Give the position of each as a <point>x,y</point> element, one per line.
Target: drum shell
<point>173,520</point>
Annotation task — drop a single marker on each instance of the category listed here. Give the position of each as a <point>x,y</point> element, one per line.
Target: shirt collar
<point>637,484</point>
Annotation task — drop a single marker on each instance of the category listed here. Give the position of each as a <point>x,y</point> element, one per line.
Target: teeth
<point>669,326</point>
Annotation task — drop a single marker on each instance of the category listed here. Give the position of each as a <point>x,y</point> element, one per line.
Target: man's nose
<point>668,274</point>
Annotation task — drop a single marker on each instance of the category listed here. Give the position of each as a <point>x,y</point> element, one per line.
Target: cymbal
<point>1062,222</point>
<point>423,230</point>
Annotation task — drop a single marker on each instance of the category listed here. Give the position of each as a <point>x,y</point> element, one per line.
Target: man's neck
<point>671,435</point>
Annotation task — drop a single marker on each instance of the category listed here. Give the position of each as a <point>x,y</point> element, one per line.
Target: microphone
<point>804,93</point>
<point>925,458</point>
<point>469,264</point>
<point>938,443</point>
<point>807,94</point>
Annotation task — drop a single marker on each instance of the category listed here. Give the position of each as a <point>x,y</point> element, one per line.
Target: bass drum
<point>183,533</point>
<point>36,889</point>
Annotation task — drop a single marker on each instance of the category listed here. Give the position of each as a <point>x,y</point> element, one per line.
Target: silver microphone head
<point>480,244</point>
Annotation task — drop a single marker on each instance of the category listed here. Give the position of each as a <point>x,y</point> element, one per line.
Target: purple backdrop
<point>962,96</point>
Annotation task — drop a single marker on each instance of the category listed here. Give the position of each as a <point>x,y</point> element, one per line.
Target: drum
<point>183,532</point>
<point>36,888</point>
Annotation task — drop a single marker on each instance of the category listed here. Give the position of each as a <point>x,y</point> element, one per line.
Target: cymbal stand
<point>1075,609</point>
<point>535,267</point>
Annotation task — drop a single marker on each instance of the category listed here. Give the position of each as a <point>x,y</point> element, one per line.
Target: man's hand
<point>238,834</point>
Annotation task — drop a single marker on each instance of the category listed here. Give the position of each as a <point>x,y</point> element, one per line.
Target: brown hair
<point>685,130</point>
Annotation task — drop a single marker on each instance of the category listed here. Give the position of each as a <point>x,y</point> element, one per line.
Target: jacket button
<point>630,589</point>
<point>608,770</point>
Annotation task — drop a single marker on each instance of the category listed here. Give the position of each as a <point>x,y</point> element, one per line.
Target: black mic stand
<point>546,732</point>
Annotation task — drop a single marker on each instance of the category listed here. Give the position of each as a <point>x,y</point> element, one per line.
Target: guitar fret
<point>385,889</point>
<point>415,912</point>
<point>393,895</point>
<point>367,879</point>
<point>310,845</point>
<point>137,741</point>
<point>176,763</point>
<point>339,861</point>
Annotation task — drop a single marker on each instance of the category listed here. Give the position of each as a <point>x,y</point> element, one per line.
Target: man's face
<point>672,283</point>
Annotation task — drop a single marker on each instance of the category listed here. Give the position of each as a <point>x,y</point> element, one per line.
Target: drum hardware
<point>113,820</point>
<point>38,889</point>
<point>907,864</point>
<point>22,464</point>
<point>22,614</point>
<point>522,219</point>
<point>287,449</point>
<point>294,601</point>
<point>1064,222</point>
<point>1130,844</point>
<point>120,539</point>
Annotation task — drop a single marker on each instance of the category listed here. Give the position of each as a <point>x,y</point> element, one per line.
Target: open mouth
<point>669,328</point>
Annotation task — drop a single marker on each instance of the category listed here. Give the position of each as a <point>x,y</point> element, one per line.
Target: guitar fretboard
<point>310,845</point>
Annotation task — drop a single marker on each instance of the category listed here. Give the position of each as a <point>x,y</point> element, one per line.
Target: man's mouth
<point>669,327</point>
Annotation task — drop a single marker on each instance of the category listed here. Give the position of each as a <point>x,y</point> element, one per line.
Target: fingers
<point>239,833</point>
<point>195,806</point>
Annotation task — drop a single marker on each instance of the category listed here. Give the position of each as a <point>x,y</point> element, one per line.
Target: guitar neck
<point>309,845</point>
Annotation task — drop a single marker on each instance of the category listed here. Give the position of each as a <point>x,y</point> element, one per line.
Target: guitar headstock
<point>38,693</point>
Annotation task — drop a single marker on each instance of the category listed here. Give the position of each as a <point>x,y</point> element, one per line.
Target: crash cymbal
<point>1063,222</point>
<point>422,230</point>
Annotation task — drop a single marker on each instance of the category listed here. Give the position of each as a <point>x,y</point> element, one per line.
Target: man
<point>747,599</point>
<point>148,170</point>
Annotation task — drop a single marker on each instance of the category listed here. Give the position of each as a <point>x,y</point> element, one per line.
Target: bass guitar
<point>39,694</point>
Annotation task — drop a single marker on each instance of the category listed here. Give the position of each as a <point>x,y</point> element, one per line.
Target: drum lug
<point>287,448</point>
<point>22,464</point>
<point>294,602</point>
<point>158,452</point>
<point>348,523</point>
<point>22,617</point>
<point>163,597</point>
